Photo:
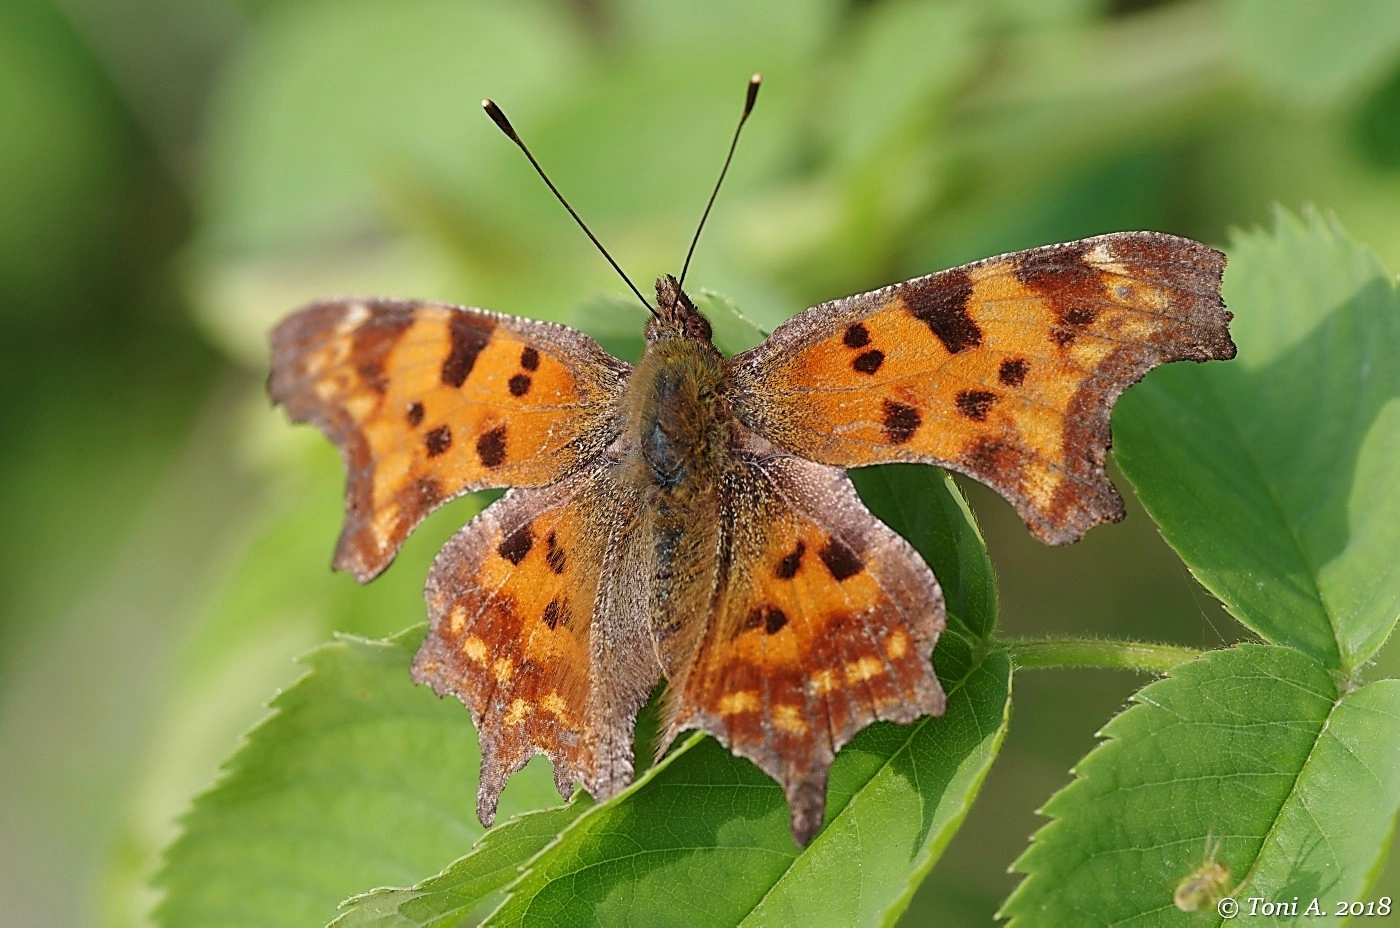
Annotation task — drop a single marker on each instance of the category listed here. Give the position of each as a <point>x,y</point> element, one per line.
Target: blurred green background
<point>175,175</point>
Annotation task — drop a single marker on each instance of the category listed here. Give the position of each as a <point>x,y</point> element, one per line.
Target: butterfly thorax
<point>677,399</point>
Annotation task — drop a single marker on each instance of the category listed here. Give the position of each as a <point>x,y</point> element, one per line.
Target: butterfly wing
<point>823,622</point>
<point>1005,369</point>
<point>428,401</point>
<point>537,611</point>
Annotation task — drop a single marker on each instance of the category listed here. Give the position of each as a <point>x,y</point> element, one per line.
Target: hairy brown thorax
<point>677,402</point>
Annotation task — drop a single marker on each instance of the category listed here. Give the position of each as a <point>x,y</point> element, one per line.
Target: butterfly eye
<point>697,326</point>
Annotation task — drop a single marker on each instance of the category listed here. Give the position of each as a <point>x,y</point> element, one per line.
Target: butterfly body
<point>690,518</point>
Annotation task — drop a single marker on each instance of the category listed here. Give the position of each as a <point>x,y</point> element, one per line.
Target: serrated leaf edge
<point>236,761</point>
<point>1108,739</point>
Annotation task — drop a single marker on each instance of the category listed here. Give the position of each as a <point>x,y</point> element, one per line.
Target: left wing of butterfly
<point>537,610</point>
<point>823,620</point>
<point>1005,369</point>
<point>428,401</point>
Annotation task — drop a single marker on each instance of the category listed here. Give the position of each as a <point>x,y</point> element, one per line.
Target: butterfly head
<point>676,316</point>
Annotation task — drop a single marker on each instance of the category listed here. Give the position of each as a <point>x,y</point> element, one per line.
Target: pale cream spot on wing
<point>897,645</point>
<point>734,703</point>
<point>1039,484</point>
<point>502,669</point>
<point>824,681</point>
<point>1100,256</point>
<point>866,668</point>
<point>360,405</point>
<point>788,719</point>
<point>386,517</point>
<point>328,388</point>
<point>475,649</point>
<point>554,705</point>
<point>517,712</point>
<point>456,619</point>
<point>355,315</point>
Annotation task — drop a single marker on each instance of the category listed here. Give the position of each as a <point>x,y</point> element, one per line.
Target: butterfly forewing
<point>537,626</point>
<point>1005,369</point>
<point>427,401</point>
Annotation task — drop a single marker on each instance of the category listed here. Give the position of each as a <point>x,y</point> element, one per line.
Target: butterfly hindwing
<point>1005,369</point>
<point>427,401</point>
<point>822,622</point>
<point>537,610</point>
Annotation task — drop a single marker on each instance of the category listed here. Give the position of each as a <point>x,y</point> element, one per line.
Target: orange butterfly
<point>690,517</point>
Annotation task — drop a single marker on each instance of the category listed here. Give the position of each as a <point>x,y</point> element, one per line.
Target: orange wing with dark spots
<point>1005,369</point>
<point>824,622</point>
<point>428,401</point>
<point>537,611</point>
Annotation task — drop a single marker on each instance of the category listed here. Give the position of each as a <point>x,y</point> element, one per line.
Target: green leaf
<point>1316,53</point>
<point>1251,747</point>
<point>1273,475</point>
<point>358,778</point>
<point>733,331</point>
<point>333,106</point>
<point>906,59</point>
<point>703,837</point>
<point>469,884</point>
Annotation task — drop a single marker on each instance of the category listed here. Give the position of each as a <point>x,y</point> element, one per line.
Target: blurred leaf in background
<point>174,177</point>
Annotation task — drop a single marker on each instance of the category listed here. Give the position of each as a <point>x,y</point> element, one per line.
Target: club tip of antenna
<point>754,81</point>
<point>498,117</point>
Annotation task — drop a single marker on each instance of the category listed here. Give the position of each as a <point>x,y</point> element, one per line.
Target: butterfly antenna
<point>748,108</point>
<point>499,118</point>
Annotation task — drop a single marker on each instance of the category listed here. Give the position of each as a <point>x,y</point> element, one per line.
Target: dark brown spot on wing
<point>941,304</point>
<point>975,403</point>
<point>529,358</point>
<point>468,335</point>
<point>373,341</point>
<point>554,613</point>
<point>555,554</point>
<point>1079,315</point>
<point>1074,289</point>
<point>517,544</point>
<point>991,457</point>
<point>438,440</point>
<point>519,385</point>
<point>1059,270</point>
<point>857,336</point>
<point>773,619</point>
<point>1013,371</point>
<point>491,446</point>
<point>767,617</point>
<point>373,375</point>
<point>900,421</point>
<point>840,559</point>
<point>869,362</point>
<point>427,491</point>
<point>791,562</point>
<point>415,415</point>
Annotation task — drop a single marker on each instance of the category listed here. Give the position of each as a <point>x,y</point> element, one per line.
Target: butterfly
<point>690,517</point>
